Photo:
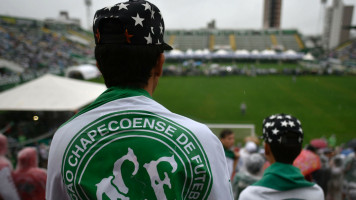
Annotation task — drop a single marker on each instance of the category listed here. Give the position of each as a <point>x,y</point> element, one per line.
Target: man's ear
<point>268,153</point>
<point>267,149</point>
<point>158,70</point>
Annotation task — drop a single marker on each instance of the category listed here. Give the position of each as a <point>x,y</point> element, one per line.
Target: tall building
<point>338,18</point>
<point>272,14</point>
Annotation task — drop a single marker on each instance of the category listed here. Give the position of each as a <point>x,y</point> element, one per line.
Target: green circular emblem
<point>136,155</point>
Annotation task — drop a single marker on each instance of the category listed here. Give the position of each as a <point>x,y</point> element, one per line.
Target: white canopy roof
<point>87,71</point>
<point>176,52</point>
<point>309,56</point>
<point>50,93</point>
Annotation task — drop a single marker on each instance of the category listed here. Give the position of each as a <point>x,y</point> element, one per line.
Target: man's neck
<point>151,84</point>
<point>149,89</point>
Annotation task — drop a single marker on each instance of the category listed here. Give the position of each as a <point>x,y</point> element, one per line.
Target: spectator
<point>126,145</point>
<point>254,165</point>
<point>4,162</point>
<point>249,148</point>
<point>283,136</point>
<point>227,138</point>
<point>335,182</point>
<point>29,179</point>
<point>322,175</point>
<point>7,186</point>
<point>350,176</point>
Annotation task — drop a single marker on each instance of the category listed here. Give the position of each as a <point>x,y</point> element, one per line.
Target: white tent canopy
<point>86,71</point>
<point>50,93</point>
<point>309,56</point>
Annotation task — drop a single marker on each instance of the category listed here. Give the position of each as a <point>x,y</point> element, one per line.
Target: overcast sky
<point>304,15</point>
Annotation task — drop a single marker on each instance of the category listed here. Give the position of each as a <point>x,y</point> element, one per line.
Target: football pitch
<point>325,105</point>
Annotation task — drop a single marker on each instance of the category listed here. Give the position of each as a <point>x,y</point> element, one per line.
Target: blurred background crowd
<point>332,167</point>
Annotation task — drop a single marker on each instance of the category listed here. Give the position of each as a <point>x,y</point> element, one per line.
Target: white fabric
<point>50,93</point>
<point>251,147</point>
<point>221,188</point>
<point>230,165</point>
<point>263,193</point>
<point>7,187</point>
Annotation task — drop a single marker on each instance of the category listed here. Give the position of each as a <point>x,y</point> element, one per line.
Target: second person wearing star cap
<point>283,137</point>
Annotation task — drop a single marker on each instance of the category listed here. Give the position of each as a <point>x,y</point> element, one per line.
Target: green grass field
<point>326,105</point>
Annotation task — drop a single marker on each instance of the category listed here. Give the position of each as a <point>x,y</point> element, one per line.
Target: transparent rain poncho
<point>29,179</point>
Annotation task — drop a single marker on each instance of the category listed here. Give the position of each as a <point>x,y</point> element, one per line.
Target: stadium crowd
<point>347,53</point>
<point>37,48</point>
<point>333,167</point>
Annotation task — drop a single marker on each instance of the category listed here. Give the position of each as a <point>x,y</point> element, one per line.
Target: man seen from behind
<point>283,136</point>
<point>125,145</point>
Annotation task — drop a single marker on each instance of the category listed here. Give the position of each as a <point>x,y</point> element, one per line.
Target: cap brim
<point>165,46</point>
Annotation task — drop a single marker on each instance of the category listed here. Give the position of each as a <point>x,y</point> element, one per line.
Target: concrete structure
<point>272,14</point>
<point>63,19</point>
<point>337,18</point>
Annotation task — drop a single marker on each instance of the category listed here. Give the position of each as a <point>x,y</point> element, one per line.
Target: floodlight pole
<point>88,4</point>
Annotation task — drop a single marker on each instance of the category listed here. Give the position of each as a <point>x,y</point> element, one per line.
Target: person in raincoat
<point>7,186</point>
<point>30,180</point>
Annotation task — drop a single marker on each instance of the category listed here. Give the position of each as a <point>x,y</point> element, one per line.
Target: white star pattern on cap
<point>267,125</point>
<point>109,7</point>
<point>95,18</point>
<point>275,131</point>
<point>123,6</point>
<point>160,14</point>
<point>280,140</point>
<point>161,27</point>
<point>284,123</point>
<point>298,122</point>
<point>138,20</point>
<point>275,125</point>
<point>152,14</point>
<point>151,30</point>
<point>149,38</point>
<point>147,6</point>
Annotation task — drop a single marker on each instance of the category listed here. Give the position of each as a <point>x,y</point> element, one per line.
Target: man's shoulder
<point>259,192</point>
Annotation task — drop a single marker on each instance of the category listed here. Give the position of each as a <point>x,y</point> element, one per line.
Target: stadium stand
<point>346,53</point>
<point>36,47</point>
<point>235,39</point>
<point>33,45</point>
